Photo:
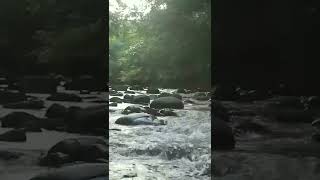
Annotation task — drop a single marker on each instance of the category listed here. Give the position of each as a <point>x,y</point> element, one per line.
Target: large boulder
<point>83,171</point>
<point>56,111</point>
<point>137,119</point>
<point>167,102</point>
<point>20,120</point>
<point>141,99</point>
<point>116,100</point>
<point>153,91</point>
<point>87,149</point>
<point>222,135</point>
<point>38,84</point>
<point>87,120</point>
<point>64,97</point>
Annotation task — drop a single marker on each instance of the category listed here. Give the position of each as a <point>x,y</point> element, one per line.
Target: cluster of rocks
<point>148,106</point>
<point>76,158</point>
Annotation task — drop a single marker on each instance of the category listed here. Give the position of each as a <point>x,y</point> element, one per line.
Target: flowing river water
<point>287,152</point>
<point>180,150</point>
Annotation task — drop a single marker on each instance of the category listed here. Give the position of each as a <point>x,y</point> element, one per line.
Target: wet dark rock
<point>167,112</point>
<point>83,171</point>
<point>182,91</point>
<point>113,104</point>
<point>167,102</point>
<point>11,97</point>
<point>153,91</point>
<point>133,109</point>
<point>56,111</point>
<point>29,104</point>
<point>64,97</point>
<point>152,111</point>
<point>137,119</point>
<point>116,94</point>
<point>164,94</point>
<point>20,120</point>
<point>87,120</point>
<point>116,100</point>
<point>16,135</point>
<point>57,123</point>
<point>141,99</point>
<point>222,135</point>
<point>87,149</point>
<point>102,101</point>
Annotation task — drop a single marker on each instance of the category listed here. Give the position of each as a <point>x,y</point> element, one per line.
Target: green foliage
<point>170,46</point>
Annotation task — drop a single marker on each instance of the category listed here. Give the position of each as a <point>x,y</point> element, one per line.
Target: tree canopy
<point>169,46</point>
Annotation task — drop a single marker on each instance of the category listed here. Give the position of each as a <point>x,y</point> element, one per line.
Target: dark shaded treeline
<point>260,44</point>
<point>53,36</point>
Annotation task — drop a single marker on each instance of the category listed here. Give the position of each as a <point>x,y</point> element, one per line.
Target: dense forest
<point>55,36</point>
<point>170,46</point>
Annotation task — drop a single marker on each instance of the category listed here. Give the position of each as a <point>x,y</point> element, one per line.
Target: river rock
<point>153,91</point>
<point>167,102</point>
<point>56,111</point>
<point>20,120</point>
<point>87,149</point>
<point>87,120</point>
<point>133,109</point>
<point>141,99</point>
<point>167,112</point>
<point>137,119</point>
<point>116,100</point>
